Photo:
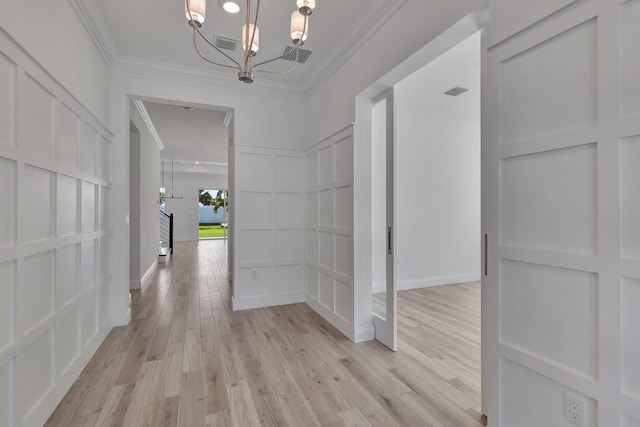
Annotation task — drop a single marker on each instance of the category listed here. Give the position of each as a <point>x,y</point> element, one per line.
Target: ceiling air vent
<point>223,42</point>
<point>456,91</point>
<point>300,56</point>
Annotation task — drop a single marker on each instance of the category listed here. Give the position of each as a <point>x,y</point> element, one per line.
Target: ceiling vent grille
<point>300,56</point>
<point>456,91</point>
<point>226,43</point>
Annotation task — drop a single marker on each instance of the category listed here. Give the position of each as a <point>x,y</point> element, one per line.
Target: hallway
<point>186,359</point>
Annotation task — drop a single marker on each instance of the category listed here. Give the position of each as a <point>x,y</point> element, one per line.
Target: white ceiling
<point>157,30</point>
<point>190,136</point>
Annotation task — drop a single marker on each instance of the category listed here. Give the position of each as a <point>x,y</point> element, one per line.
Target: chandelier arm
<point>195,45</point>
<point>304,29</point>
<point>195,28</point>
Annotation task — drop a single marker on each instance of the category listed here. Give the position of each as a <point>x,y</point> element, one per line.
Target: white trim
<point>247,303</point>
<point>364,333</point>
<point>121,319</point>
<point>147,121</point>
<point>427,282</point>
<point>338,322</point>
<point>96,28</point>
<point>144,281</point>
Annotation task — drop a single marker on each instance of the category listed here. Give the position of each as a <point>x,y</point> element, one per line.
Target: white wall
<point>56,271</point>
<point>438,171</point>
<point>185,206</point>
<point>144,202</point>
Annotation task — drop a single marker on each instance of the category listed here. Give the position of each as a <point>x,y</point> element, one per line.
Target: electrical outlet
<point>574,410</point>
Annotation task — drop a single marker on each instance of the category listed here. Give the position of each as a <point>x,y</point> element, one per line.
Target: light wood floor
<point>186,359</point>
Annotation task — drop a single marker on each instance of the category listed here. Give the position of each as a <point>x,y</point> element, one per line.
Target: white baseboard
<point>121,319</point>
<point>342,325</point>
<point>365,333</point>
<point>247,303</point>
<point>427,282</point>
<point>147,276</point>
<point>144,280</point>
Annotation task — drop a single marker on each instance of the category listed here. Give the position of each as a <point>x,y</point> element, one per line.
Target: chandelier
<point>299,31</point>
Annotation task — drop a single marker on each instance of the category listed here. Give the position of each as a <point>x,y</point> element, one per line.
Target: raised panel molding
<point>52,177</point>
<point>269,218</point>
<point>329,255</point>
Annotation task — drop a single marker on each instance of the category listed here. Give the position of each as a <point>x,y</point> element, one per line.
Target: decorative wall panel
<point>330,230</point>
<point>8,209</point>
<point>269,218</point>
<point>55,238</point>
<point>630,177</point>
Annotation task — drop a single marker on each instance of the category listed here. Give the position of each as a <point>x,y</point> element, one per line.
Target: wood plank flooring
<point>187,360</point>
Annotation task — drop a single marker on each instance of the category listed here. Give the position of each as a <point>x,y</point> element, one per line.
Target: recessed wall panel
<point>105,256</point>
<point>67,193</point>
<point>255,245</point>
<point>312,171</point>
<point>88,207</point>
<point>630,177</point>
<point>105,303</point>
<point>256,282</point>
<point>549,200</point>
<point>629,58</point>
<point>256,171</point>
<point>344,300</point>
<point>34,373</point>
<point>35,218</point>
<point>68,129</point>
<point>530,399</point>
<point>254,208</point>
<point>289,245</point>
<point>344,255</point>
<point>312,208</point>
<point>7,308</point>
<point>88,142</point>
<point>290,209</point>
<point>288,171</point>
<point>325,290</point>
<point>312,246</point>
<point>88,264</point>
<point>325,248</point>
<point>312,282</point>
<point>5,394</point>
<point>66,274</point>
<point>67,348</point>
<point>344,160</point>
<point>325,166</point>
<point>7,209</point>
<point>104,159</point>
<point>7,101</point>
<point>289,279</point>
<point>343,207</point>
<point>551,313</point>
<point>88,319</point>
<point>560,89</point>
<point>325,208</point>
<point>35,290</point>
<point>631,337</point>
<point>35,119</point>
<point>105,208</point>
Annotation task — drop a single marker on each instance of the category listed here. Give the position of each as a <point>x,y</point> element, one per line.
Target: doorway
<point>213,205</point>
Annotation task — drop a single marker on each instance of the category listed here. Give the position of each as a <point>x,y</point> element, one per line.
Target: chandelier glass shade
<point>195,12</point>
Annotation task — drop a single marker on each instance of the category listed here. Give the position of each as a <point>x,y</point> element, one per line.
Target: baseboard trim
<point>428,282</point>
<point>248,303</point>
<point>144,281</point>
<point>365,333</point>
<point>338,322</point>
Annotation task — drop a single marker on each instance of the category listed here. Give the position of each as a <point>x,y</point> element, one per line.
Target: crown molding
<point>356,39</point>
<point>147,121</point>
<point>97,29</point>
<point>128,66</point>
